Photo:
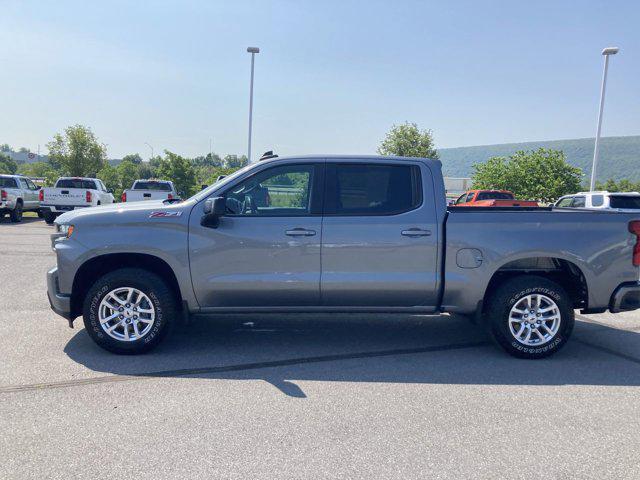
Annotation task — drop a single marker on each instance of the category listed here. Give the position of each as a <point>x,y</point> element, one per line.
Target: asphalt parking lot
<point>305,397</point>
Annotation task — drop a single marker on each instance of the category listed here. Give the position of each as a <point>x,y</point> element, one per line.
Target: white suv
<point>628,201</point>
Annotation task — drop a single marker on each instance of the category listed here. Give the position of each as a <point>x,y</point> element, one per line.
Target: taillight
<point>169,197</point>
<point>634,227</point>
<point>41,195</point>
<point>3,195</point>
<point>124,197</point>
<point>88,196</point>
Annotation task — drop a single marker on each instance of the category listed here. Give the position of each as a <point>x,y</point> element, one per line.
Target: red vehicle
<point>492,198</point>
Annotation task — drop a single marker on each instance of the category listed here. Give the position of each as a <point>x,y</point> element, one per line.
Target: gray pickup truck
<point>341,234</point>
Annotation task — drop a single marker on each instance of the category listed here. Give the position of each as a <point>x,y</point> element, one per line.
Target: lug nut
<point>121,309</point>
<point>128,305</point>
<point>120,317</point>
<point>135,317</point>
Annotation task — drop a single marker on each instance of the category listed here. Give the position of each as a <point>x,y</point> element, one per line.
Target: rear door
<point>380,234</point>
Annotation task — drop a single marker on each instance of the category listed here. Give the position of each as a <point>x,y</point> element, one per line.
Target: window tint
<point>30,184</point>
<point>565,202</point>
<point>625,201</point>
<point>8,182</point>
<point>597,200</point>
<point>279,191</point>
<point>354,189</point>
<point>470,197</point>
<point>461,199</point>
<point>495,196</point>
<point>578,202</point>
<point>23,184</point>
<point>76,183</point>
<point>152,185</point>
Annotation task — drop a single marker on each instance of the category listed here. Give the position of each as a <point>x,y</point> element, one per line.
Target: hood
<point>117,211</point>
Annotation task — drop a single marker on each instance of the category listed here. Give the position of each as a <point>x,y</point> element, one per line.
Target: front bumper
<point>60,303</point>
<point>626,297</point>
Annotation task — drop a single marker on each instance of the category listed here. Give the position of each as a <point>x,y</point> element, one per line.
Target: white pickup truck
<point>70,193</point>
<point>150,190</point>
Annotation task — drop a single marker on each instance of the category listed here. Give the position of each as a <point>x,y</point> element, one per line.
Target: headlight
<point>67,230</point>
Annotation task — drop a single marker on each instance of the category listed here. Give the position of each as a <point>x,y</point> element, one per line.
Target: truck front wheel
<point>129,311</point>
<point>530,316</point>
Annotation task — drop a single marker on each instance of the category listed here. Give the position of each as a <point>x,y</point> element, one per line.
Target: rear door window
<point>625,201</point>
<point>597,200</point>
<point>365,189</point>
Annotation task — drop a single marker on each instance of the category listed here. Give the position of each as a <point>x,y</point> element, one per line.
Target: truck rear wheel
<point>16,213</point>
<point>530,316</point>
<point>129,311</point>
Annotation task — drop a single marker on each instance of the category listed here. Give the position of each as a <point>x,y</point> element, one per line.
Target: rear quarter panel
<point>597,242</point>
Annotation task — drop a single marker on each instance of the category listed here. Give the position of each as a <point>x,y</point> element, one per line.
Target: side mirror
<point>202,187</point>
<point>214,208</point>
<point>110,190</point>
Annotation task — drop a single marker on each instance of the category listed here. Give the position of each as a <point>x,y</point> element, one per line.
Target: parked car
<point>491,198</point>
<point>150,190</point>
<point>357,234</point>
<point>18,194</point>
<point>628,201</point>
<point>70,193</point>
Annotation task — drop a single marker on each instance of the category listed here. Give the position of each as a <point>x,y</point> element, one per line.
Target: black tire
<point>49,217</point>
<point>512,291</point>
<point>40,214</point>
<point>16,213</point>
<point>150,284</point>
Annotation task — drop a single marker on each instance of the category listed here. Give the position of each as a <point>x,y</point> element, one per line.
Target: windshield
<point>151,185</point>
<point>8,182</point>
<point>625,201</point>
<point>495,196</point>
<point>207,191</point>
<point>76,183</point>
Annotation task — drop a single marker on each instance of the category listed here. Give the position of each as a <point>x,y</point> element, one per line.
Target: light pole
<point>252,51</point>
<point>150,148</point>
<point>606,52</point>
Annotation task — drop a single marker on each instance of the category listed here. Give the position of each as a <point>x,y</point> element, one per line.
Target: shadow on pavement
<point>283,350</point>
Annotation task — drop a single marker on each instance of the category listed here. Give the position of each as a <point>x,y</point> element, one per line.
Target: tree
<point>40,170</point>
<point>77,152</point>
<point>406,140</point>
<point>133,158</point>
<point>7,164</point>
<point>180,171</point>
<point>128,173</point>
<point>5,147</point>
<point>145,170</point>
<point>542,175</point>
<point>621,186</point>
<point>109,176</point>
<point>234,161</point>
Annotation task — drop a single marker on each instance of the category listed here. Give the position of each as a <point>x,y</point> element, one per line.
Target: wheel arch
<point>96,267</point>
<point>559,270</point>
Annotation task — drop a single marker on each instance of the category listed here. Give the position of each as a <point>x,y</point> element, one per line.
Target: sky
<point>331,76</point>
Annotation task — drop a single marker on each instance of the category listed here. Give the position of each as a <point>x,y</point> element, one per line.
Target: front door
<point>379,235</point>
<point>265,252</point>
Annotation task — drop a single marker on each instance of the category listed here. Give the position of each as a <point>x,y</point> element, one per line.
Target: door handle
<point>300,232</point>
<point>416,232</point>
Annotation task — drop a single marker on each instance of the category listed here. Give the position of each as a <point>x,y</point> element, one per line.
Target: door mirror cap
<point>216,206</point>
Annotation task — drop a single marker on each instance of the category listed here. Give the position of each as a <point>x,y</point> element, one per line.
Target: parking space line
<point>235,368</point>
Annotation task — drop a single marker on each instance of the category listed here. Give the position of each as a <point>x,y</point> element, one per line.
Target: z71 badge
<point>165,214</point>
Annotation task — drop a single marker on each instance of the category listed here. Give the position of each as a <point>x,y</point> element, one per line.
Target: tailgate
<point>65,196</point>
<point>140,195</point>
